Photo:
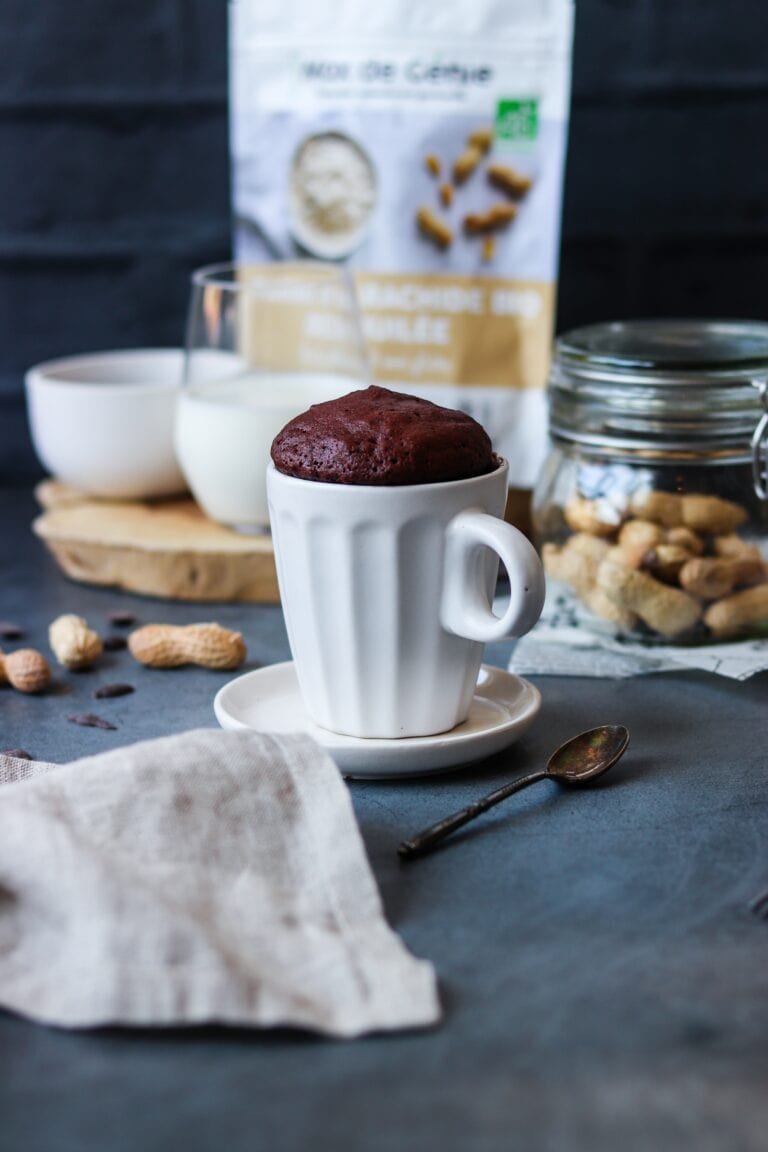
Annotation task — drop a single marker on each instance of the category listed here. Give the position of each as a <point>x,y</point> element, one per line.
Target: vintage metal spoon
<point>582,759</point>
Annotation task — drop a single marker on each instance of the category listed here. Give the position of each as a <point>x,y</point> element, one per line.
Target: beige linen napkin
<point>212,876</point>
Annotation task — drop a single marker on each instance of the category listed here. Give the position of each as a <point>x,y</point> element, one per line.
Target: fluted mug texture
<point>387,596</point>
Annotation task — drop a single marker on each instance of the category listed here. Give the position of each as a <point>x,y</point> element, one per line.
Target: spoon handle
<point>425,841</point>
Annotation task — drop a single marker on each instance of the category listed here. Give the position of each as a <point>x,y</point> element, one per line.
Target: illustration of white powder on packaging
<point>333,192</point>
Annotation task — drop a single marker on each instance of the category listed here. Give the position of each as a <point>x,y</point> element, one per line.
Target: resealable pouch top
<point>424,146</point>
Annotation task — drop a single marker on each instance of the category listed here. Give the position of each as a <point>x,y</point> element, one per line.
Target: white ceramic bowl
<point>104,422</point>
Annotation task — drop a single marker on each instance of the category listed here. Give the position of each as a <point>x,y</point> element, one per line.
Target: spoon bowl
<point>579,761</point>
<point>588,755</point>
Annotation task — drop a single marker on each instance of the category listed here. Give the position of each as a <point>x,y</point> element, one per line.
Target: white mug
<point>387,596</point>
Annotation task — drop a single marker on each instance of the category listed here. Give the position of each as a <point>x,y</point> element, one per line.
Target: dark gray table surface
<point>604,983</point>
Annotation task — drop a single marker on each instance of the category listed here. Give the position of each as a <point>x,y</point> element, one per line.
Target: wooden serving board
<point>164,548</point>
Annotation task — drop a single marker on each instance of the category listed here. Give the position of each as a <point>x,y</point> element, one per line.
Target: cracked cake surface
<point>379,437</point>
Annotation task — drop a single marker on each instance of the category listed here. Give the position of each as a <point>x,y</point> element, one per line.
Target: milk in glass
<point>224,432</point>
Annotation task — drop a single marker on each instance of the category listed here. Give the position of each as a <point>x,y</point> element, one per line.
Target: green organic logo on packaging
<point>517,120</point>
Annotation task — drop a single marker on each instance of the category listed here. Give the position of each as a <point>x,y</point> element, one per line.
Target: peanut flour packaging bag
<point>423,145</point>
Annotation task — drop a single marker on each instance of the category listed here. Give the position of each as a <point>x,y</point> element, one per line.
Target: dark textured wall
<point>113,179</point>
<point>114,171</point>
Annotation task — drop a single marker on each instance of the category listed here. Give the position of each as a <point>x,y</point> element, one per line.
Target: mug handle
<point>465,609</point>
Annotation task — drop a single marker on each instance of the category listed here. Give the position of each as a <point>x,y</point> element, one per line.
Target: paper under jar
<point>651,510</point>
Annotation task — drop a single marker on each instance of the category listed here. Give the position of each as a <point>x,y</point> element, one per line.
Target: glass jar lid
<point>682,389</point>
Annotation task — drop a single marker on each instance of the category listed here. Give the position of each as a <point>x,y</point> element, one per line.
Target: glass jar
<point>651,510</point>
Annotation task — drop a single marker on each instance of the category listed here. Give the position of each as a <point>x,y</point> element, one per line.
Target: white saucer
<point>268,700</point>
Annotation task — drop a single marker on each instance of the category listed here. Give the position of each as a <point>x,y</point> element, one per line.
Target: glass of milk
<point>264,342</point>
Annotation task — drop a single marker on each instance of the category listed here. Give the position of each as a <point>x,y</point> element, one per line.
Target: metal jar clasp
<point>760,445</point>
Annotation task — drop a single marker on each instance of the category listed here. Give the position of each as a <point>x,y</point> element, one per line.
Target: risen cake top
<point>379,437</point>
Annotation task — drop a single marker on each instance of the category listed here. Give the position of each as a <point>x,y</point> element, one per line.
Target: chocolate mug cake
<point>386,523</point>
<point>383,438</point>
